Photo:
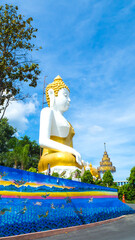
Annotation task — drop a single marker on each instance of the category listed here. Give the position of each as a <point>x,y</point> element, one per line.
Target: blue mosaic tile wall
<point>31,202</point>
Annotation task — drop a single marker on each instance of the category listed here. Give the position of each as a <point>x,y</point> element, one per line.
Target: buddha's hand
<point>78,157</point>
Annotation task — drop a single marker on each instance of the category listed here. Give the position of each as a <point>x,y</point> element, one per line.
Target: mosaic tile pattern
<point>31,202</point>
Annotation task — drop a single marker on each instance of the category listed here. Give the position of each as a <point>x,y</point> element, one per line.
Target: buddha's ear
<point>51,96</point>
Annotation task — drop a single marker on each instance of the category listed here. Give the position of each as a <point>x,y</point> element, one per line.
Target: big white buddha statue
<point>56,133</point>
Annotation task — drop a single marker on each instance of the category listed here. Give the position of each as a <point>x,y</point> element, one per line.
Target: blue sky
<point>91,45</point>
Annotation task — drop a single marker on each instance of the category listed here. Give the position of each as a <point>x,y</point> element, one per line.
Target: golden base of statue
<point>62,159</point>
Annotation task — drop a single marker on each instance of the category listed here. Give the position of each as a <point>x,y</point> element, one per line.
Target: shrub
<point>55,174</point>
<point>87,177</point>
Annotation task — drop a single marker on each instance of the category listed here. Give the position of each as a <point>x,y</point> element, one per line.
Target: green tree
<point>131,179</point>
<point>18,157</point>
<point>6,135</point>
<point>3,156</point>
<point>77,173</point>
<point>18,153</point>
<point>13,158</point>
<point>34,151</point>
<point>24,156</point>
<point>108,178</point>
<point>87,177</point>
<point>7,143</point>
<point>98,182</point>
<point>128,191</point>
<point>16,66</point>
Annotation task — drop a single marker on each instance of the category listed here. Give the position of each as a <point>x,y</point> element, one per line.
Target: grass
<point>132,201</point>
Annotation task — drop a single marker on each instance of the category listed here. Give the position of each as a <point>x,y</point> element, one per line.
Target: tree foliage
<point>24,156</point>
<point>6,135</point>
<point>132,177</point>
<point>77,173</point>
<point>98,182</point>
<point>128,191</point>
<point>19,153</point>
<point>87,177</point>
<point>108,178</point>
<point>16,66</point>
<point>32,169</point>
<point>27,153</point>
<point>55,174</point>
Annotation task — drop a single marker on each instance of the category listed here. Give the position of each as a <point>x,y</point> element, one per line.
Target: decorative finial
<point>105,146</point>
<point>90,165</point>
<point>57,78</point>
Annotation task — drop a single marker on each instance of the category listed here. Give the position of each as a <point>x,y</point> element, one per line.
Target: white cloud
<point>18,113</point>
<point>95,129</point>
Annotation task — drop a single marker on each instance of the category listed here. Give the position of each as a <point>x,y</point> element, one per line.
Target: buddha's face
<point>62,101</point>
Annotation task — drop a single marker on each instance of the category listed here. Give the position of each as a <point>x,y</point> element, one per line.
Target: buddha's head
<point>57,95</point>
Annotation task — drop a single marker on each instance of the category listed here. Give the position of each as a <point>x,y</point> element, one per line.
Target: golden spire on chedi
<point>106,164</point>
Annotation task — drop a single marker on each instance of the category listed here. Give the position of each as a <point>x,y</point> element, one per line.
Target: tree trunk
<point>22,167</point>
<point>15,164</point>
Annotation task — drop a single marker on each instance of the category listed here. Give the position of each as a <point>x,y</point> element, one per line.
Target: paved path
<point>123,229</point>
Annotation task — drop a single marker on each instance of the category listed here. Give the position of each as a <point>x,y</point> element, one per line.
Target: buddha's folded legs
<point>57,159</point>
